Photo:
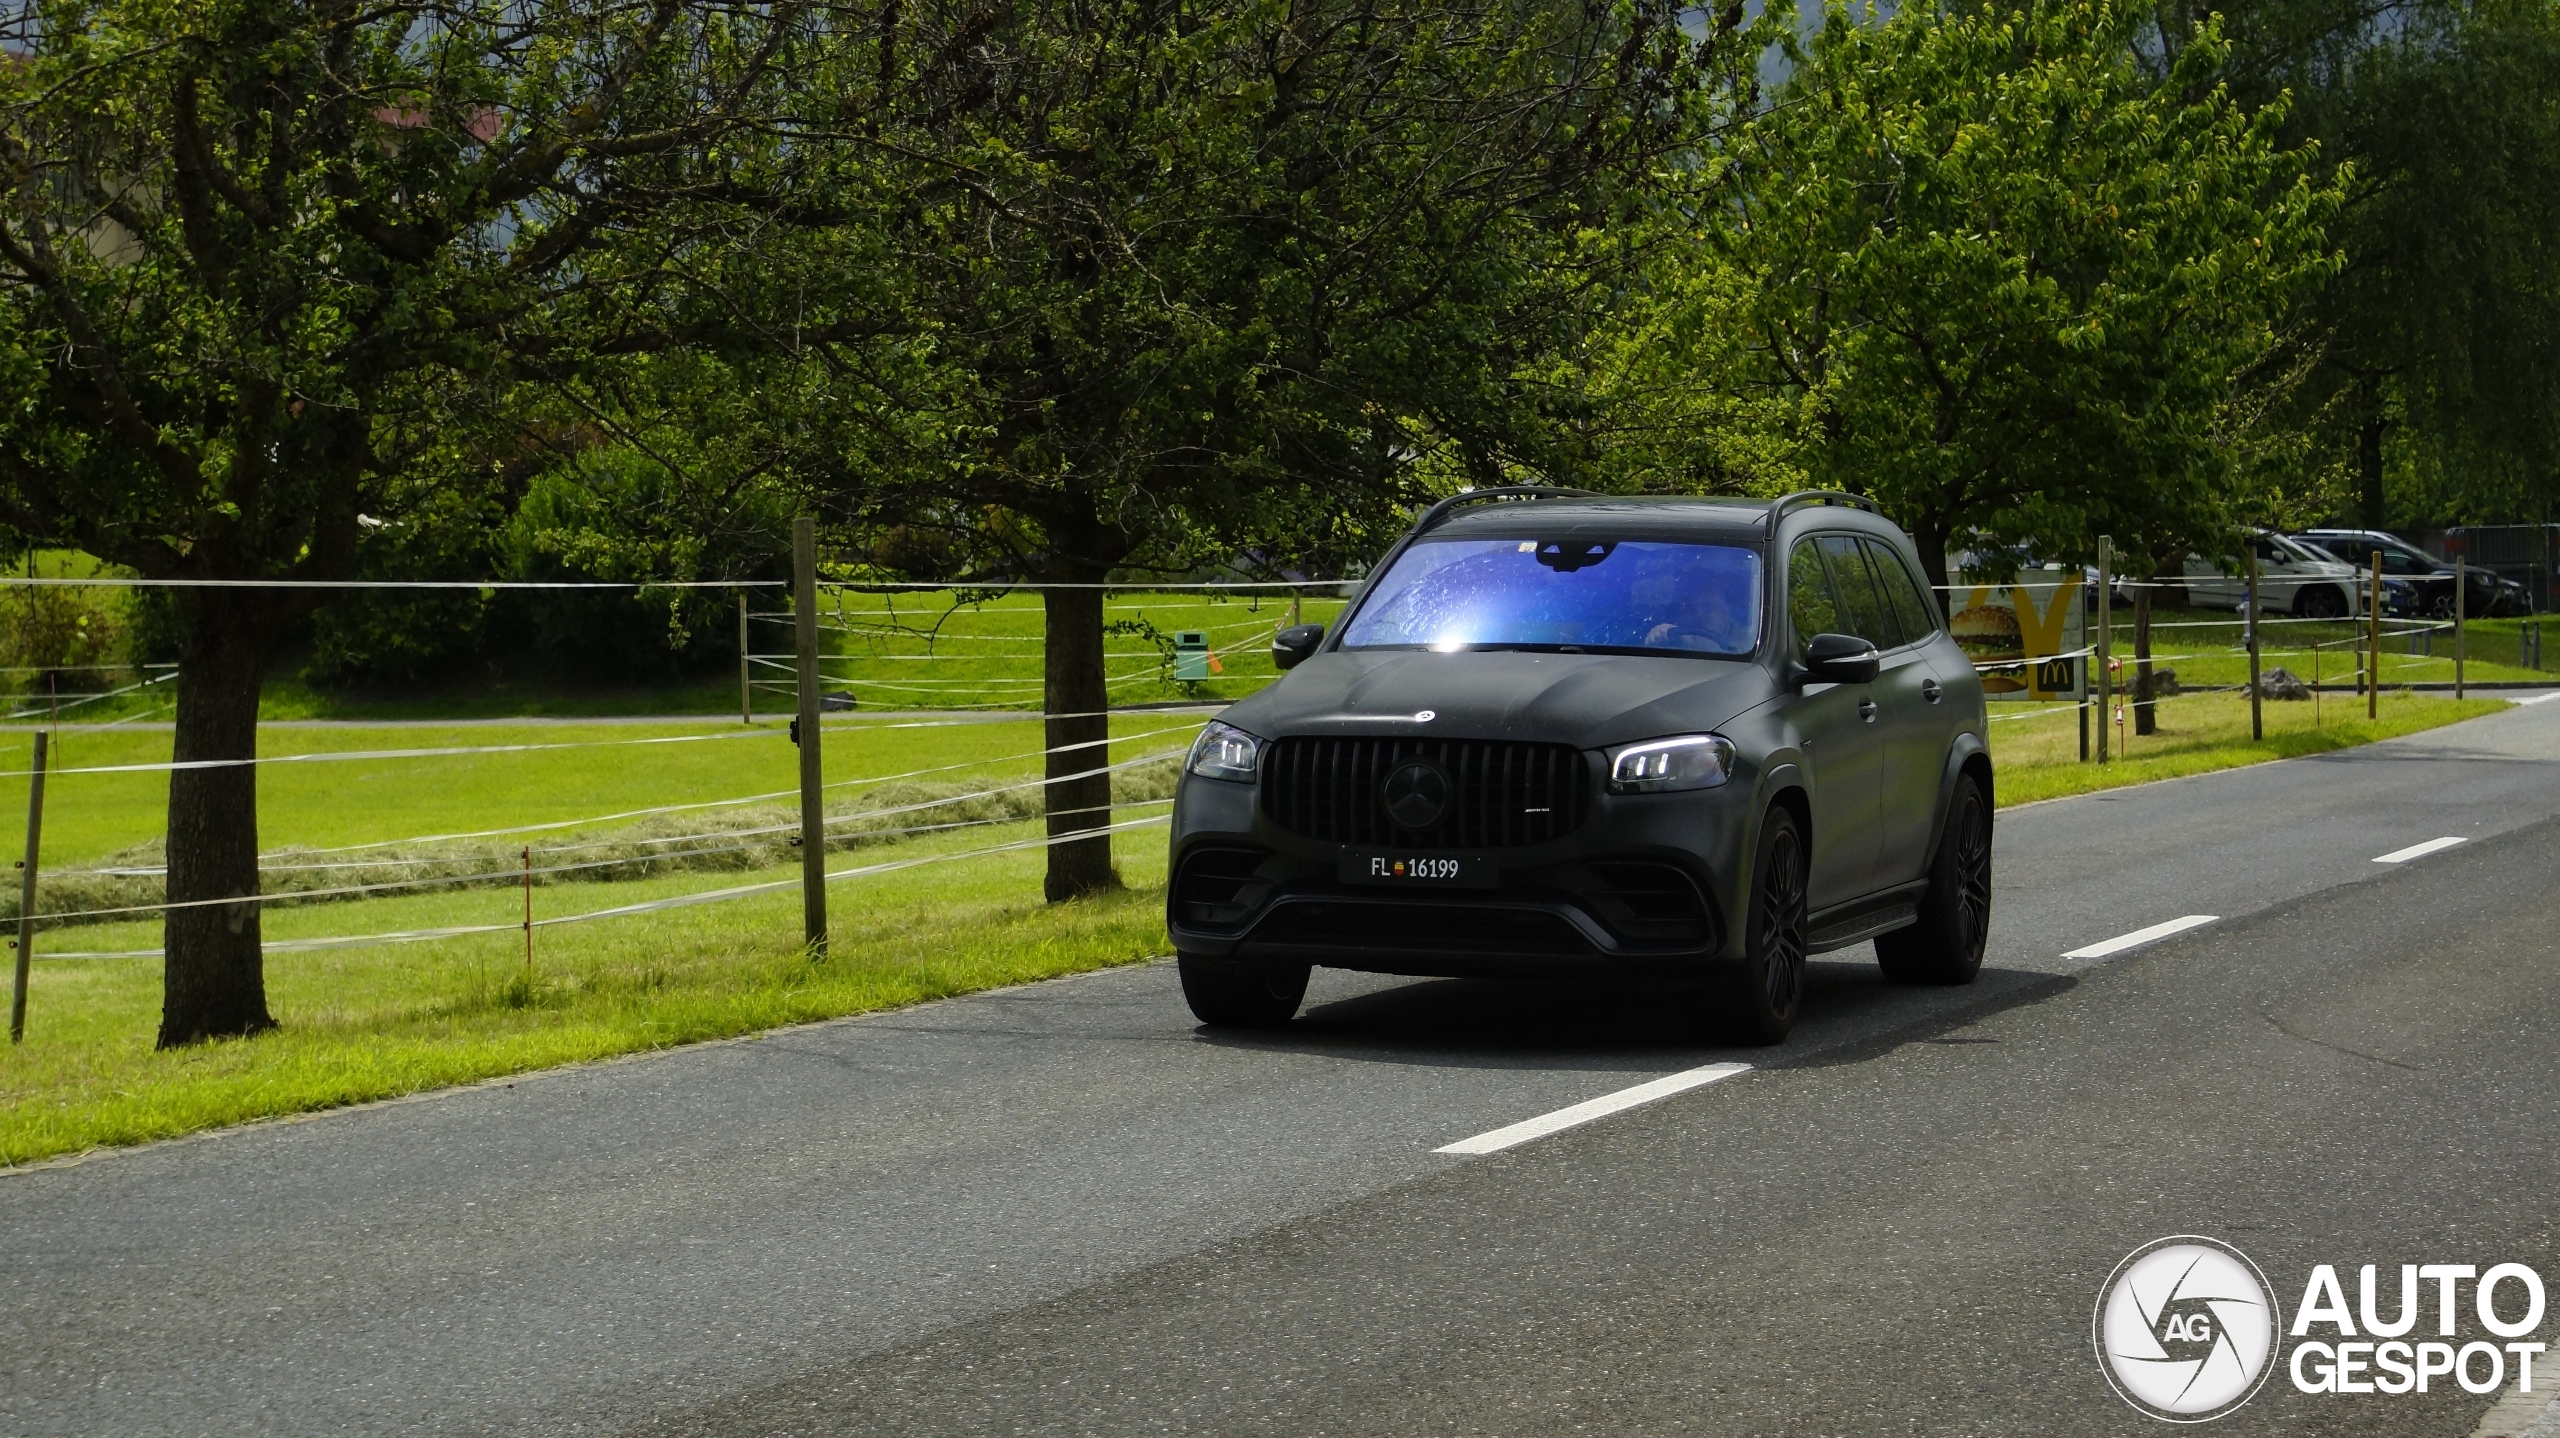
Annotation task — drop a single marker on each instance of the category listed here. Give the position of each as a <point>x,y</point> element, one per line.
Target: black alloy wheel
<point>1945,946</point>
<point>2320,601</point>
<point>1768,990</point>
<point>1226,994</point>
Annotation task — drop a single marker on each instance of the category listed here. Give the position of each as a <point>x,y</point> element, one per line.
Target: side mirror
<point>1292,646</point>
<point>1839,659</point>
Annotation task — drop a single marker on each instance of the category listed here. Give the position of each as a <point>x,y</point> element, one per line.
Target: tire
<point>1945,947</point>
<point>2320,601</point>
<point>1766,991</point>
<point>1225,994</point>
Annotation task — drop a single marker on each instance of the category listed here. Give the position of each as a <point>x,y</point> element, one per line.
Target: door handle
<point>1929,690</point>
<point>1867,710</point>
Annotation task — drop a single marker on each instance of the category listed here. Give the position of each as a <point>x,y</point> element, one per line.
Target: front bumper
<point>1649,885</point>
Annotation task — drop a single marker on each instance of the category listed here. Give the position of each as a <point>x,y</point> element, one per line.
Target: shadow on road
<point>1851,1016</point>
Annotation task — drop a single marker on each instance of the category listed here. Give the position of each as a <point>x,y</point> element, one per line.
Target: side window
<point>1809,606</point>
<point>1862,607</point>
<point>1918,617</point>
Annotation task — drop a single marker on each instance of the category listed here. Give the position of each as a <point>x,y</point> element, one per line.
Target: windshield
<point>1613,596</point>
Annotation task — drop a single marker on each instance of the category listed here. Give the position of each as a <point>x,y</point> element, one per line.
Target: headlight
<point>1224,751</point>
<point>1690,761</point>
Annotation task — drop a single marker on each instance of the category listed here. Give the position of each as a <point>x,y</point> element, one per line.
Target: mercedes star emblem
<point>1416,793</point>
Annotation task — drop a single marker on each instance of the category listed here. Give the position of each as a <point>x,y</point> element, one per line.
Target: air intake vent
<point>1217,888</point>
<point>1650,903</point>
<point>1487,794</point>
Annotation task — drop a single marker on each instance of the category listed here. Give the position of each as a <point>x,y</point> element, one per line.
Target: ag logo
<point>1416,793</point>
<point>2185,1328</point>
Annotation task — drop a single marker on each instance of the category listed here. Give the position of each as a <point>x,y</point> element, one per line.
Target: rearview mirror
<point>1292,646</point>
<point>1839,659</point>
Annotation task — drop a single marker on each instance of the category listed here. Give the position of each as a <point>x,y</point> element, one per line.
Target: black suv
<point>1681,740</point>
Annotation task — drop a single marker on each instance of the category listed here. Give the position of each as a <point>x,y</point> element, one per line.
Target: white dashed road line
<point>2138,937</point>
<point>2402,856</point>
<point>1589,1109</point>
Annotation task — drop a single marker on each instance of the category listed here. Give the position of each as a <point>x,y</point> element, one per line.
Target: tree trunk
<point>1931,542</point>
<point>214,979</point>
<point>1076,699</point>
<point>2369,452</point>
<point>2143,721</point>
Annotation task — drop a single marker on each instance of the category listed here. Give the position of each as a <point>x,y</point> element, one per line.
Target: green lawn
<point>2204,646</point>
<point>577,771</point>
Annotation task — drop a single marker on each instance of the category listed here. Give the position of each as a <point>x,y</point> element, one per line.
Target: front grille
<point>1502,794</point>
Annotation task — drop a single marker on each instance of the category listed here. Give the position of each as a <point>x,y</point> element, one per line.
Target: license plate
<point>1421,870</point>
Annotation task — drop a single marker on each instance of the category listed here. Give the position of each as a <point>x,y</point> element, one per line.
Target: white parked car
<point>2293,578</point>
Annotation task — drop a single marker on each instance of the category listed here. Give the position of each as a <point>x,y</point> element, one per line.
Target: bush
<point>392,636</point>
<point>62,637</point>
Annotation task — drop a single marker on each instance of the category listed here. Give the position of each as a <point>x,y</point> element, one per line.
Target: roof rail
<point>1441,511</point>
<point>1787,504</point>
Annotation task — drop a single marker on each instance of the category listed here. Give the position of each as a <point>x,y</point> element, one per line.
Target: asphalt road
<point>1065,1209</point>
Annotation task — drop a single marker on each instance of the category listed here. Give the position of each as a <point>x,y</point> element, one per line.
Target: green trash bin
<point>1191,659</point>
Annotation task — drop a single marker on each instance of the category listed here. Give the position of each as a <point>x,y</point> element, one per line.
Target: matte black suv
<point>1677,740</point>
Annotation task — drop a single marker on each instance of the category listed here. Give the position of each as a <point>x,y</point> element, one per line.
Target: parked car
<point>2293,578</point>
<point>1683,741</point>
<point>2428,580</point>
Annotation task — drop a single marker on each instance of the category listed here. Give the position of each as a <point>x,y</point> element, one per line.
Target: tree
<point>1204,277</point>
<point>265,263</point>
<point>2435,342</point>
<point>2009,280</point>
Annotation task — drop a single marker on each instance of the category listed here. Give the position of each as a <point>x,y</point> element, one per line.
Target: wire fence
<point>959,653</point>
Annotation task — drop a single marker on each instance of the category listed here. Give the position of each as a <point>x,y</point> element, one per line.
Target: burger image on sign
<point>1988,635</point>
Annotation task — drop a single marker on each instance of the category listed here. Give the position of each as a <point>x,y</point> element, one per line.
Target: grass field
<point>375,1021</point>
<point>561,772</point>
<point>921,650</point>
<point>2205,647</point>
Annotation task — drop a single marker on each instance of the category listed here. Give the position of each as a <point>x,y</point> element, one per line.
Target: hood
<point>1587,700</point>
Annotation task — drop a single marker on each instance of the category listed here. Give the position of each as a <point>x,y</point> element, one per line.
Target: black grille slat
<point>1506,794</point>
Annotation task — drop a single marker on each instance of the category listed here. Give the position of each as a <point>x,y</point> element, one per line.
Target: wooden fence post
<point>2106,633</point>
<point>27,891</point>
<point>2257,720</point>
<point>813,797</point>
<point>2461,612</point>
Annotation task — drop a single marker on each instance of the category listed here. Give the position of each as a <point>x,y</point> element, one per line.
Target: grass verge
<point>361,1024</point>
<point>2039,757</point>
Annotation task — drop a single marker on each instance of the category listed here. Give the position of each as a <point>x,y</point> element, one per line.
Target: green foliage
<point>278,249</point>
<point>2006,282</point>
<point>1223,277</point>
<point>63,639</point>
<point>2434,355</point>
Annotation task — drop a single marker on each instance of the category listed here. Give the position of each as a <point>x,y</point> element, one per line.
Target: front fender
<point>1963,751</point>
